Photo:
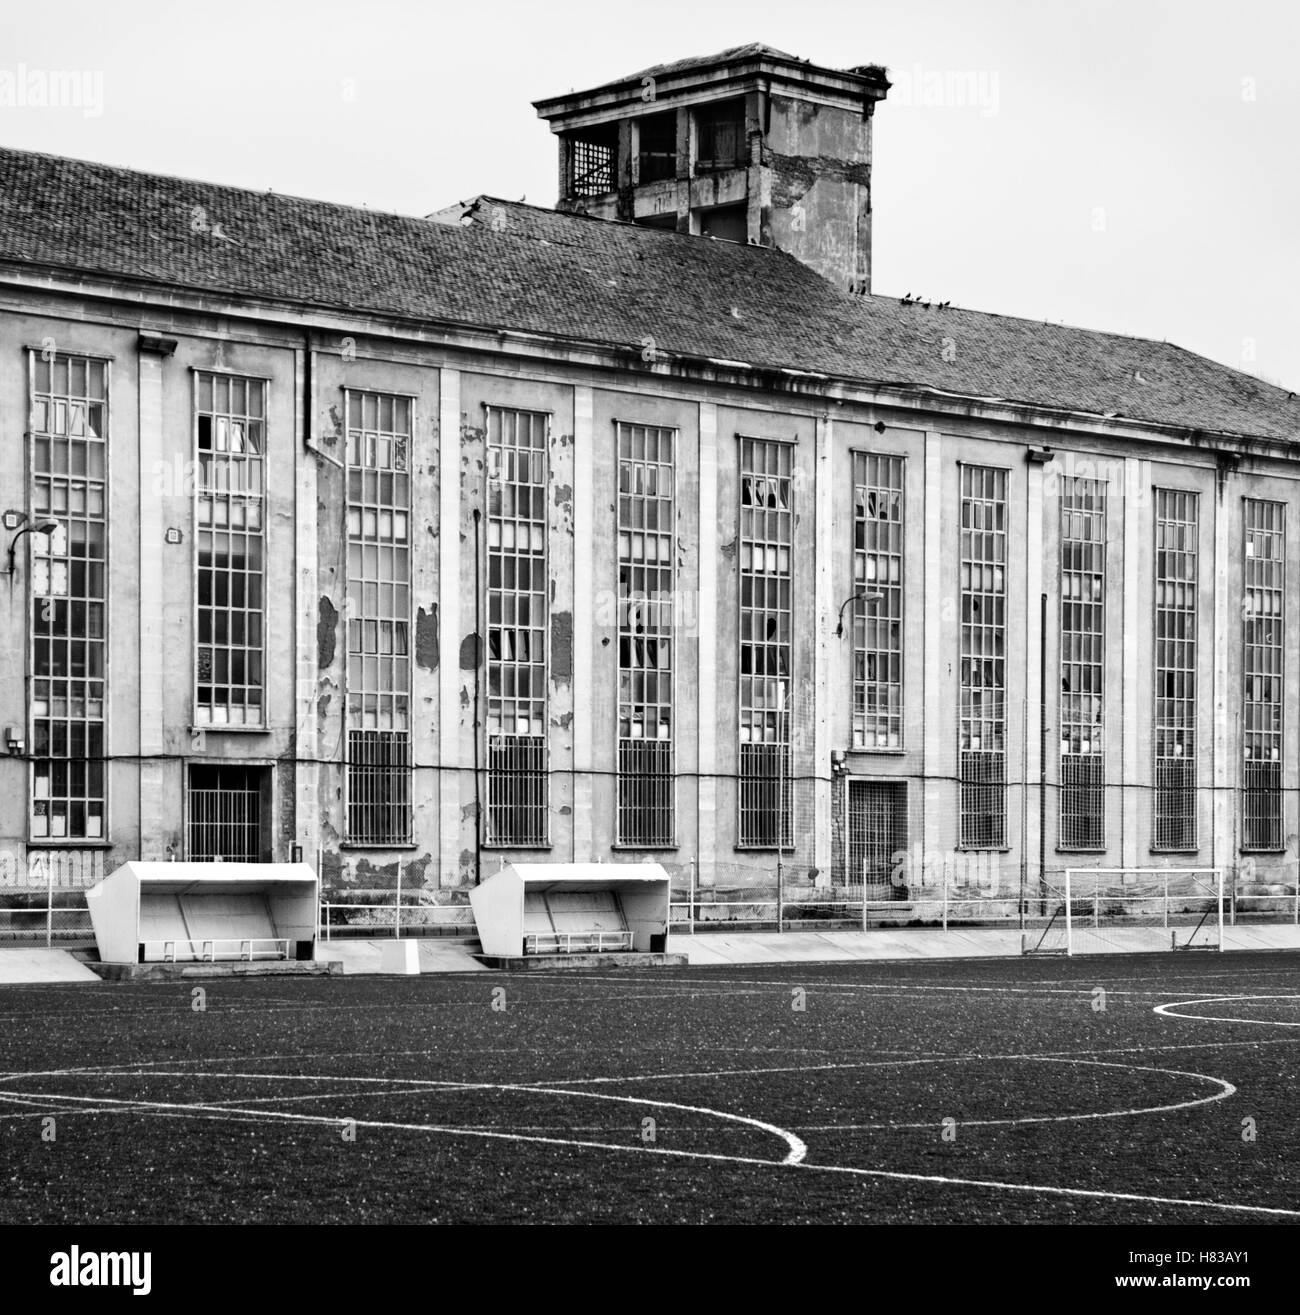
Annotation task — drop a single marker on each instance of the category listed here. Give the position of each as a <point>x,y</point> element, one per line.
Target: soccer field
<point>1118,1090</point>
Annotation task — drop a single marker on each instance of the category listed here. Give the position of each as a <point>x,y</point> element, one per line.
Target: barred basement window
<point>230,437</point>
<point>1263,630</point>
<point>69,417</point>
<point>766,540</point>
<point>645,635</point>
<point>1083,667</point>
<point>1175,704</point>
<point>982,726</point>
<point>517,620</point>
<point>878,626</point>
<point>378,767</point>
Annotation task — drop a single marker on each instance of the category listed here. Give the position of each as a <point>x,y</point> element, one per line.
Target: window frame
<point>198,493</point>
<point>32,437</point>
<point>666,627</point>
<point>404,809</point>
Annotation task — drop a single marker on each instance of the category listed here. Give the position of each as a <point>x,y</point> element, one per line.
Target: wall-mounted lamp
<point>173,535</point>
<point>38,527</point>
<point>854,598</point>
<point>13,740</point>
<point>838,762</point>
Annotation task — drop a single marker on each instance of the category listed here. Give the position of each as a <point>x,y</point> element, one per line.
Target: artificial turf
<point>662,1096</point>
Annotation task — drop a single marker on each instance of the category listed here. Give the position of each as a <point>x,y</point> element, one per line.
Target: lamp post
<point>37,527</point>
<point>855,598</point>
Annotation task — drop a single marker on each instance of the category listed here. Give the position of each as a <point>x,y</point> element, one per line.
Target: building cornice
<point>628,361</point>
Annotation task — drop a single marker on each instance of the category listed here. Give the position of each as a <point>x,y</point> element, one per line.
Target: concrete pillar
<point>824,614</point>
<point>940,644</point>
<point>307,810</point>
<point>1226,622</point>
<point>583,623</point>
<point>1032,707</point>
<point>708,646</point>
<point>449,627</point>
<point>158,813</point>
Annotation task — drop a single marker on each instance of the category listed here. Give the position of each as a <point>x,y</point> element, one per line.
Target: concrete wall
<point>152,739</point>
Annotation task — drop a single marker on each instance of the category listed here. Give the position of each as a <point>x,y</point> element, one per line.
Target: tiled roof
<point>504,265</point>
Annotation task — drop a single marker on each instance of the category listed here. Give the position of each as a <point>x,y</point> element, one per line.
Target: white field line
<point>716,1157</point>
<point>1226,1090</point>
<point>1171,1010</point>
<point>796,1149</point>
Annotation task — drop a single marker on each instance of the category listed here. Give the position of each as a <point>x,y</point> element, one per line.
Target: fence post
<point>945,898</point>
<point>397,913</point>
<point>1166,901</point>
<point>690,910</point>
<point>1096,902</point>
<point>49,905</point>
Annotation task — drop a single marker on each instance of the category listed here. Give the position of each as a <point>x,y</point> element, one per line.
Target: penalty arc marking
<point>1172,1010</point>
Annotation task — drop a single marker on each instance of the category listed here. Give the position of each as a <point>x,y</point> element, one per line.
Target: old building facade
<point>422,544</point>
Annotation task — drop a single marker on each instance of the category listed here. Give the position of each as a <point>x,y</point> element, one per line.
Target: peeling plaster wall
<point>819,205</point>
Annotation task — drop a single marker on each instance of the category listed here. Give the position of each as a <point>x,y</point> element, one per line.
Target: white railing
<point>569,942</point>
<point>386,919</point>
<point>246,948</point>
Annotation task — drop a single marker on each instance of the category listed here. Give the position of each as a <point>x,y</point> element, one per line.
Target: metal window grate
<point>591,165</point>
<point>229,436</point>
<point>1174,742</point>
<point>225,814</point>
<point>379,787</point>
<point>645,793</point>
<point>766,579</point>
<point>877,835</point>
<point>517,621</point>
<point>378,768</point>
<point>646,578</point>
<point>1082,817</point>
<point>982,796</point>
<point>516,804</point>
<point>1263,632</point>
<point>765,777</point>
<point>878,626</point>
<point>1083,801</point>
<point>69,413</point>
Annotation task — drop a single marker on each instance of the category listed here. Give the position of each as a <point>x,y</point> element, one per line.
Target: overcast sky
<point>1128,165</point>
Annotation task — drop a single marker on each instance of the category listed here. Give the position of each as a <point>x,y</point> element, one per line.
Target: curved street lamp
<point>854,598</point>
<point>37,527</point>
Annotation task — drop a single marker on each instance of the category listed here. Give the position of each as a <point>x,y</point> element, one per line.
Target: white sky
<point>1128,165</point>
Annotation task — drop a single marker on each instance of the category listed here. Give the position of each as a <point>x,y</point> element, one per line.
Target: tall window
<point>720,136</point>
<point>1263,628</point>
<point>982,764</point>
<point>1175,711</point>
<point>766,540</point>
<point>230,442</point>
<point>878,621</point>
<point>69,413</point>
<point>1083,665</point>
<point>517,619</point>
<point>379,619</point>
<point>645,635</point>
